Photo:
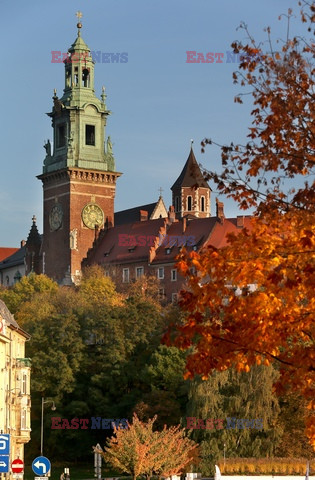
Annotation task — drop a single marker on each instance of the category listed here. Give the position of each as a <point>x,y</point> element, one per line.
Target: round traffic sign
<point>41,466</point>
<point>17,465</point>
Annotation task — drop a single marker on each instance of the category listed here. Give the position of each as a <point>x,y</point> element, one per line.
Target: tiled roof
<point>16,259</point>
<point>6,252</point>
<point>118,243</point>
<point>10,320</point>
<point>133,214</point>
<point>135,242</point>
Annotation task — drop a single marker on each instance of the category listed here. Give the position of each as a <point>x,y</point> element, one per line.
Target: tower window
<point>85,78</point>
<point>176,204</point>
<point>89,135</point>
<point>76,76</point>
<point>189,203</point>
<point>202,204</point>
<point>61,136</point>
<point>68,78</point>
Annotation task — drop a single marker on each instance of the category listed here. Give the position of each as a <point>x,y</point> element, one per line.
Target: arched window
<point>85,78</point>
<point>202,204</point>
<point>176,204</point>
<point>189,203</point>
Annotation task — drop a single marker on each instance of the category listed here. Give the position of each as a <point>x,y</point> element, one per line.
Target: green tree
<point>231,394</point>
<point>24,290</point>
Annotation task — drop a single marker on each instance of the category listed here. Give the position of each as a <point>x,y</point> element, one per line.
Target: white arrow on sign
<point>3,464</point>
<point>39,464</point>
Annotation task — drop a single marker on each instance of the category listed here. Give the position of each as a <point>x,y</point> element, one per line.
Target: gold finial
<point>34,219</point>
<point>79,24</point>
<point>55,92</point>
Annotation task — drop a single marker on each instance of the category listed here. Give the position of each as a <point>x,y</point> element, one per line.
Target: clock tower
<point>79,174</point>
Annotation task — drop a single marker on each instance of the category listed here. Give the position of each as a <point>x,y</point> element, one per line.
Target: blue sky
<point>159,102</point>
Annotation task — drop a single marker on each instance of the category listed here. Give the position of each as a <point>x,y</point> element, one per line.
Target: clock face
<point>92,216</point>
<point>55,217</point>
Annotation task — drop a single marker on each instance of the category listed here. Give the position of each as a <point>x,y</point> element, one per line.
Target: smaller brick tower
<point>190,192</point>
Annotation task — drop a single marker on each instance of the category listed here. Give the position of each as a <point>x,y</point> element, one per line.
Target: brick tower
<point>190,192</point>
<point>79,176</point>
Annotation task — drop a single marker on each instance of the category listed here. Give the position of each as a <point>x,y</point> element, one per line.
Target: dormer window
<point>189,203</point>
<point>176,204</point>
<point>89,135</point>
<point>202,204</point>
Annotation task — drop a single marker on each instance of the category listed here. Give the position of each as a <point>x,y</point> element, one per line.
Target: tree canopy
<point>252,302</point>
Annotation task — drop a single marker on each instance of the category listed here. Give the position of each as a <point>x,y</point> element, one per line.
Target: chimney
<point>219,210</point>
<point>171,214</point>
<point>23,242</point>
<point>240,221</point>
<point>108,223</point>
<point>143,215</point>
<point>184,224</point>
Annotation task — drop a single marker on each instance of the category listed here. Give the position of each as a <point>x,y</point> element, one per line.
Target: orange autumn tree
<point>138,450</point>
<point>253,301</point>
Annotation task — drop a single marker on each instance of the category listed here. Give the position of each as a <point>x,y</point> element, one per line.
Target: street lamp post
<point>42,423</point>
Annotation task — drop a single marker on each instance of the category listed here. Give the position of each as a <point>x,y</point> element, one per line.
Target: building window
<point>24,384</point>
<point>23,419</point>
<point>161,293</point>
<point>61,136</point>
<point>139,272</point>
<point>126,275</point>
<point>174,297</point>
<point>202,204</point>
<point>173,275</point>
<point>106,273</point>
<point>89,135</point>
<point>176,204</point>
<point>189,203</point>
<point>160,273</point>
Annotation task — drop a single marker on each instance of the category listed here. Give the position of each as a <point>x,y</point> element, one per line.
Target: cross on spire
<point>79,24</point>
<point>160,190</point>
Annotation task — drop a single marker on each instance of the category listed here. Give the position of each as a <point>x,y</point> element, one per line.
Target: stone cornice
<point>79,174</point>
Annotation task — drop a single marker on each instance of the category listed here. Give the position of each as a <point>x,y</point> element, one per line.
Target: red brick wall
<point>73,189</point>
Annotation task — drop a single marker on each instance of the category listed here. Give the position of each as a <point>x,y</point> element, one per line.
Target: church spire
<point>79,118</point>
<point>191,192</point>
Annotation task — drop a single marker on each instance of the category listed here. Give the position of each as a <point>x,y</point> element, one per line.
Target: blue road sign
<point>41,466</point>
<point>4,444</point>
<point>4,463</point>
